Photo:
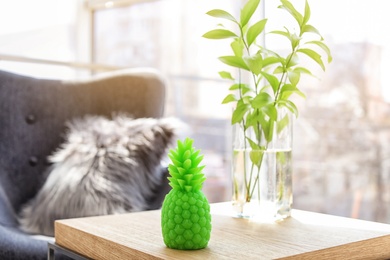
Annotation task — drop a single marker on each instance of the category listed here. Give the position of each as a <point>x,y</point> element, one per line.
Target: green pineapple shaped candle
<point>185,214</point>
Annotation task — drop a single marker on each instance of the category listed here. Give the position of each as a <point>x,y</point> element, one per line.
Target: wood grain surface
<point>305,235</point>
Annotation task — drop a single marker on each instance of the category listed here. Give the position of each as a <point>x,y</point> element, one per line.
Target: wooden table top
<point>305,235</point>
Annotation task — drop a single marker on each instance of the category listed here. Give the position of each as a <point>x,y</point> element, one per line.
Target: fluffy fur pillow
<point>104,167</point>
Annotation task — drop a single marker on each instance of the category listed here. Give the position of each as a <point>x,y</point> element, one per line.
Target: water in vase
<point>262,183</point>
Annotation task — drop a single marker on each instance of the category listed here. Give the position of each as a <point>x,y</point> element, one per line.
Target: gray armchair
<point>32,116</point>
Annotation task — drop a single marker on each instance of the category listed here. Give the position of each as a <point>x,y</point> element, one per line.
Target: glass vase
<point>262,169</point>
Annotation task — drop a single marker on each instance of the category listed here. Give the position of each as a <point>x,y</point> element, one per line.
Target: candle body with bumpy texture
<point>185,213</point>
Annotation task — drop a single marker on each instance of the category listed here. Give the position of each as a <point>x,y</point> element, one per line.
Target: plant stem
<point>257,177</point>
<point>243,128</point>
<point>248,188</point>
<point>283,78</point>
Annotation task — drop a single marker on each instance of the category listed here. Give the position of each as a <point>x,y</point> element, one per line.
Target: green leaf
<point>303,70</point>
<point>279,69</point>
<point>285,95</point>
<point>307,13</point>
<point>254,63</point>
<point>272,80</point>
<point>270,61</point>
<point>247,11</point>
<point>265,124</point>
<point>239,86</point>
<point>239,112</point>
<point>294,77</point>
<point>247,99</point>
<point>253,144</point>
<point>238,47</point>
<point>261,100</point>
<point>225,75</point>
<point>323,46</point>
<point>271,111</point>
<point>282,123</point>
<point>234,61</point>
<point>283,33</point>
<point>269,53</point>
<point>245,90</point>
<point>254,31</point>
<point>292,37</point>
<point>270,131</point>
<point>281,157</point>
<point>292,59</point>
<point>234,87</point>
<point>250,119</point>
<point>313,55</point>
<point>290,106</point>
<point>256,157</point>
<point>291,9</point>
<point>288,89</point>
<point>219,34</point>
<point>222,14</point>
<point>295,39</point>
<point>307,28</point>
<point>229,98</point>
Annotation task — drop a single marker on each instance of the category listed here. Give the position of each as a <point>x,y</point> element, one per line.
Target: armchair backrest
<point>33,113</point>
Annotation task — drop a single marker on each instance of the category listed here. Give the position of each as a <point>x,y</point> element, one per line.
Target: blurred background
<point>341,153</point>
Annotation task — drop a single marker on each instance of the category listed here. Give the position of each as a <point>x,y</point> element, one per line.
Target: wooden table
<point>305,235</point>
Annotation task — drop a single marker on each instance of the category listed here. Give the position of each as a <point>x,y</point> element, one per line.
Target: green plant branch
<point>258,176</point>
<point>256,109</point>
<point>282,78</point>
<point>249,188</point>
<point>243,127</point>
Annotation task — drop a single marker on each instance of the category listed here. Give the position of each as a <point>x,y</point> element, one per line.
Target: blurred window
<point>33,32</point>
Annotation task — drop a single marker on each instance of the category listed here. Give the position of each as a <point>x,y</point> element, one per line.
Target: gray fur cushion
<point>104,167</point>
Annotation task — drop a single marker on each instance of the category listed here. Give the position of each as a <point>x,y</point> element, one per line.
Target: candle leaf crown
<point>186,174</point>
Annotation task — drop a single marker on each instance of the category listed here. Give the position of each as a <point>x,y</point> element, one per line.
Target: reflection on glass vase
<point>262,169</point>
